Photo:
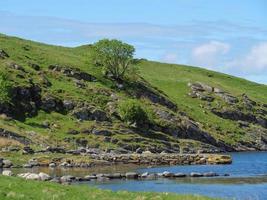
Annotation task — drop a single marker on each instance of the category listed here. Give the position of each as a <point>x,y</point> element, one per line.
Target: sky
<point>229,36</point>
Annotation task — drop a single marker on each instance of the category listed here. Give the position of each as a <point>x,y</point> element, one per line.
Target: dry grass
<point>5,142</point>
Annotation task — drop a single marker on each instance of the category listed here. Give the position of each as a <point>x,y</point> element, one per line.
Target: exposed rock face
<point>50,103</point>
<point>72,72</point>
<point>87,112</point>
<point>203,91</point>
<point>14,136</point>
<point>3,54</point>
<point>239,115</point>
<point>25,101</point>
<point>142,91</point>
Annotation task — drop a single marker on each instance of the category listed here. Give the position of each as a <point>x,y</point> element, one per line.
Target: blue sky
<point>223,35</point>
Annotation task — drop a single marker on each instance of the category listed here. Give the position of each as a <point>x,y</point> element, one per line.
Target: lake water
<point>248,180</point>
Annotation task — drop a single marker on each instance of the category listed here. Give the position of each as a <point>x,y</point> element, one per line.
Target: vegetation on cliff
<point>60,98</point>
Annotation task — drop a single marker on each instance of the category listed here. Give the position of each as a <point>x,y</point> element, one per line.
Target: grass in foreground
<point>17,188</point>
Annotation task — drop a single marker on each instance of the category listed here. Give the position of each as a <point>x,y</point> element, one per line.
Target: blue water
<point>247,181</point>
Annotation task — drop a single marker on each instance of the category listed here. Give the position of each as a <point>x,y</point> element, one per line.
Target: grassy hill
<point>61,99</point>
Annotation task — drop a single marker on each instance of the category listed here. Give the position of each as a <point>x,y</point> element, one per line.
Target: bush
<point>131,111</point>
<point>5,89</point>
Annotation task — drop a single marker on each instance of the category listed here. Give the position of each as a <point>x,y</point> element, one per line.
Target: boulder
<point>144,175</point>
<point>52,165</point>
<point>179,175</point>
<point>34,66</point>
<point>210,174</point>
<point>196,87</point>
<point>167,174</point>
<point>101,132</point>
<point>67,178</point>
<point>7,173</point>
<point>32,176</point>
<point>33,162</point>
<point>27,150</point>
<point>27,165</point>
<point>131,175</point>
<point>7,164</point>
<point>68,105</point>
<point>3,54</point>
<point>196,174</point>
<point>90,177</point>
<point>44,176</point>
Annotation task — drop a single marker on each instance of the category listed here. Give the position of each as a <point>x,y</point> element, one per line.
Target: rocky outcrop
<point>3,54</point>
<point>142,91</point>
<point>239,115</point>
<point>88,112</point>
<point>204,92</point>
<point>72,72</point>
<point>165,159</point>
<point>14,136</point>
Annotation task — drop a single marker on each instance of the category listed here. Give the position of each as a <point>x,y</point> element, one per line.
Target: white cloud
<point>253,63</point>
<point>209,54</point>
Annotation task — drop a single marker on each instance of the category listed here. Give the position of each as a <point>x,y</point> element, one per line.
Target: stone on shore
<point>7,173</point>
<point>131,175</point>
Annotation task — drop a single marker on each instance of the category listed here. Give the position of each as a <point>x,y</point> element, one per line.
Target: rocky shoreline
<point>146,158</point>
<point>68,179</point>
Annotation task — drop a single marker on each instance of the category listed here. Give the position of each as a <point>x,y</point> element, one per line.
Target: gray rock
<point>27,150</point>
<point>32,176</point>
<point>7,173</point>
<point>90,177</point>
<point>7,164</point>
<point>33,162</point>
<point>195,174</point>
<point>210,174</point>
<point>179,175</point>
<point>3,54</point>
<point>67,178</point>
<point>144,175</point>
<point>55,180</point>
<point>52,165</point>
<point>27,165</point>
<point>152,176</point>
<point>101,132</point>
<point>131,175</point>
<point>68,105</point>
<point>167,174</point>
<point>44,176</point>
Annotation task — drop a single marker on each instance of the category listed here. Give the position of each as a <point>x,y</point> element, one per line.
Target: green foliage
<point>131,111</point>
<point>115,57</point>
<point>5,89</point>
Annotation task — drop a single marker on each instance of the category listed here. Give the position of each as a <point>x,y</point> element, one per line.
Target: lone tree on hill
<point>115,56</point>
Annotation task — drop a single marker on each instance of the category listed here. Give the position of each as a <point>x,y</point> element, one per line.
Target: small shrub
<point>5,89</point>
<point>131,111</point>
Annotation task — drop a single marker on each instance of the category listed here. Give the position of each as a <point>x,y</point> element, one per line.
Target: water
<point>248,180</point>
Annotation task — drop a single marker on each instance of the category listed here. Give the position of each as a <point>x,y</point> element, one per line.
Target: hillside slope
<point>61,99</point>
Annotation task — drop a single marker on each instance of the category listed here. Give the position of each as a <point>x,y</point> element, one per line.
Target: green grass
<point>171,79</point>
<point>12,188</point>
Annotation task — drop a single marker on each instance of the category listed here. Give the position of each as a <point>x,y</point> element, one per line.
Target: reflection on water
<point>78,171</point>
